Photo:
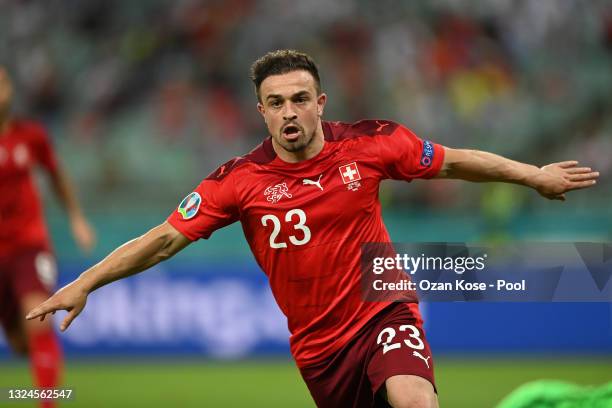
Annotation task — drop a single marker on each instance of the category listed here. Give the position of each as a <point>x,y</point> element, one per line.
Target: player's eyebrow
<point>300,94</point>
<point>295,95</point>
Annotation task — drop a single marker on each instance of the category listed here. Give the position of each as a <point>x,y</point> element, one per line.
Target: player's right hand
<point>71,298</point>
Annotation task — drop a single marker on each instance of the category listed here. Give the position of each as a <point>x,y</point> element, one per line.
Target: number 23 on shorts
<point>413,340</point>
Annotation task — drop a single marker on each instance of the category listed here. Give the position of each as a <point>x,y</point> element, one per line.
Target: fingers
<point>44,309</point>
<point>582,184</point>
<point>578,170</point>
<point>567,164</point>
<point>41,311</point>
<point>68,319</point>
<point>584,176</point>
<point>49,306</point>
<point>559,197</point>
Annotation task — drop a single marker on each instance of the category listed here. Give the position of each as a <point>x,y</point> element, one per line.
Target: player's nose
<point>289,112</point>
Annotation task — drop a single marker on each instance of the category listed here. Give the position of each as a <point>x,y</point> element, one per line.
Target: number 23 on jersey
<point>295,217</point>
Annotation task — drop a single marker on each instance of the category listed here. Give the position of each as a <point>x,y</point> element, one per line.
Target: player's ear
<point>261,109</point>
<point>321,101</point>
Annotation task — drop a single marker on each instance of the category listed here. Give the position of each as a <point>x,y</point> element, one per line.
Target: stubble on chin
<point>296,146</point>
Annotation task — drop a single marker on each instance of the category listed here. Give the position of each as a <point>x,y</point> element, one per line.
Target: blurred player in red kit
<point>27,266</point>
<point>307,198</point>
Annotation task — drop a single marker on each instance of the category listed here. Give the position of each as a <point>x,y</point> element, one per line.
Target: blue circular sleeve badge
<point>428,153</point>
<point>190,205</point>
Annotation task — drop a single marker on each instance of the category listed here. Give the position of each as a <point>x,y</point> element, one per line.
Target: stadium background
<point>144,98</point>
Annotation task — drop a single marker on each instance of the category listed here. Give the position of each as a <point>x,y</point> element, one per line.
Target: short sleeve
<point>42,148</point>
<point>405,156</point>
<point>211,206</point>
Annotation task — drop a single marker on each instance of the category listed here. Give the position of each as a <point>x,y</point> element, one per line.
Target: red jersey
<point>23,146</point>
<point>305,222</point>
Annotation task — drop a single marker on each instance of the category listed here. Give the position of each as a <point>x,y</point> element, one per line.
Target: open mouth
<point>291,132</point>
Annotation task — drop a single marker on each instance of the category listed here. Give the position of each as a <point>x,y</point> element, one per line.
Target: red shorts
<point>32,270</point>
<point>391,343</point>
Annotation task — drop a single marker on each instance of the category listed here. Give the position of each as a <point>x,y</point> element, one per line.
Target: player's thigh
<point>410,391</point>
<point>403,353</point>
<point>11,324</point>
<point>34,278</point>
<point>16,339</point>
<point>340,381</point>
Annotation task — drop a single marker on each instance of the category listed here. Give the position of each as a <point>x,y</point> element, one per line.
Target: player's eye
<point>276,104</point>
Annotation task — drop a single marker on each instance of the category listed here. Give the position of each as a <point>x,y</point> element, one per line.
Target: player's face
<point>291,109</point>
<point>6,91</point>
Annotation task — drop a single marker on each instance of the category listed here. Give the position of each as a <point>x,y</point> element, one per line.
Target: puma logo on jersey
<point>275,193</point>
<point>419,355</point>
<point>380,126</point>
<point>317,183</point>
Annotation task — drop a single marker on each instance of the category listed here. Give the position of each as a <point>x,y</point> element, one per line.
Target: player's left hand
<point>556,179</point>
<point>83,234</point>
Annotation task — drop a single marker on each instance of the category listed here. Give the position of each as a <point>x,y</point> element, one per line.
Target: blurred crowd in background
<point>144,98</point>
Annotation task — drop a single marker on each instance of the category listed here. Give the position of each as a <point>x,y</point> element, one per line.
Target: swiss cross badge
<point>350,176</point>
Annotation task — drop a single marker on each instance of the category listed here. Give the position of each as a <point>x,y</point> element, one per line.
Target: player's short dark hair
<point>281,62</point>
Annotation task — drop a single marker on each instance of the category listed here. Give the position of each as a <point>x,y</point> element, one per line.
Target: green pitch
<point>466,382</point>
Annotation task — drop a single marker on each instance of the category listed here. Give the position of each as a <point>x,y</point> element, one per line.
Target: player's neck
<point>313,149</point>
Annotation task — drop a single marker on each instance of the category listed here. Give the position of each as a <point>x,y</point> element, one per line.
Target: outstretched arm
<point>135,256</point>
<point>551,181</point>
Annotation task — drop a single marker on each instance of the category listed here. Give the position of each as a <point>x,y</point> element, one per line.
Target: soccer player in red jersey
<point>307,197</point>
<point>27,266</point>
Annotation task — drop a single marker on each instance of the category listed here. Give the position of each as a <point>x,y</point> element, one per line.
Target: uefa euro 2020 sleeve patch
<point>427,154</point>
<point>190,205</point>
